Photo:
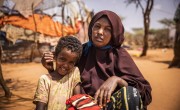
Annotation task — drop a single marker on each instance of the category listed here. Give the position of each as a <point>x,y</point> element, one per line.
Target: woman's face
<point>101,32</point>
<point>65,61</point>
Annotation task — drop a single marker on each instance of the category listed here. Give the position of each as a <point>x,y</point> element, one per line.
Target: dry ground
<point>22,79</point>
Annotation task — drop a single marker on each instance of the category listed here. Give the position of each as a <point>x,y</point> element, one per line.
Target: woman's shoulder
<point>122,50</point>
<point>85,44</point>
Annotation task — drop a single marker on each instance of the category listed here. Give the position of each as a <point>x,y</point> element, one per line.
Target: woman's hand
<point>47,61</point>
<point>103,94</point>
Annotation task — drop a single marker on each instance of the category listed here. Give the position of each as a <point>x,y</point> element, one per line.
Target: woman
<point>107,71</point>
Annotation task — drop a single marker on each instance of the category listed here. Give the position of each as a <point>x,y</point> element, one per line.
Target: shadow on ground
<point>19,89</point>
<point>165,62</point>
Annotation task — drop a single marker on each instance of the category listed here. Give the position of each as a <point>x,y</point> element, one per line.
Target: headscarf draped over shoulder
<point>117,26</point>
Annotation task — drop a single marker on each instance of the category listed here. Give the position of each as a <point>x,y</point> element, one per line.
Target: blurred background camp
<point>30,27</point>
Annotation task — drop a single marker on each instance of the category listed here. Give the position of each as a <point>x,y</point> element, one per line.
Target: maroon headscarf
<point>97,65</point>
<point>117,27</point>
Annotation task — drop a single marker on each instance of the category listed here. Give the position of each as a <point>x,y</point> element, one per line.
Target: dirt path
<point>22,80</point>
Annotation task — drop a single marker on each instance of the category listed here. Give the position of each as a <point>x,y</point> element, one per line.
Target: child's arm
<point>42,93</point>
<point>40,106</point>
<point>77,89</point>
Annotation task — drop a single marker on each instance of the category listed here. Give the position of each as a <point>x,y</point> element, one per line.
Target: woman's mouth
<point>99,39</point>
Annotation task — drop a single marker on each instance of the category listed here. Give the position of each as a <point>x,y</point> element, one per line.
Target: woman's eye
<point>96,26</point>
<point>108,29</point>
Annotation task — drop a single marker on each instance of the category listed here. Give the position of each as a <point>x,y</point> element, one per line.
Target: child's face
<point>65,61</point>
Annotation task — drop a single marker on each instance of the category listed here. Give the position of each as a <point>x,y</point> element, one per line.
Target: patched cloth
<point>81,102</point>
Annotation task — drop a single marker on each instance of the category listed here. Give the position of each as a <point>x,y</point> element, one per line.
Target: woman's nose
<point>100,31</point>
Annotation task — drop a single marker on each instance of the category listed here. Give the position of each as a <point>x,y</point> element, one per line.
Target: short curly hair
<point>71,43</point>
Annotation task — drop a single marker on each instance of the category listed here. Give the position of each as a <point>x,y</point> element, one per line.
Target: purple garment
<point>98,64</point>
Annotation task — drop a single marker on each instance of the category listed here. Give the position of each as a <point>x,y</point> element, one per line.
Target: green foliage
<point>158,38</point>
<point>134,40</point>
<point>167,22</point>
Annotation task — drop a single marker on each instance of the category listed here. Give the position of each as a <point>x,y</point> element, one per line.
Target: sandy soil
<point>22,80</point>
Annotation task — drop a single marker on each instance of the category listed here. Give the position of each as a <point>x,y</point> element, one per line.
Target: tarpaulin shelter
<point>39,20</point>
<point>48,18</point>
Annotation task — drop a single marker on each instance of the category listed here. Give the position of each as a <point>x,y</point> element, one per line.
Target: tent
<point>49,19</point>
<point>43,21</point>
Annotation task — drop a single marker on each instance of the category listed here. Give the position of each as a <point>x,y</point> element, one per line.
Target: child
<point>55,88</point>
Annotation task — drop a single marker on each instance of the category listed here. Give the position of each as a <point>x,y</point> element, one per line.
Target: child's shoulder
<point>76,70</point>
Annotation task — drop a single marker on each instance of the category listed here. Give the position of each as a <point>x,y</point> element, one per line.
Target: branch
<point>142,8</point>
<point>149,6</point>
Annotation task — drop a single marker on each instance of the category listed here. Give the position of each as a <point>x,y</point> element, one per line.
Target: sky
<point>133,17</point>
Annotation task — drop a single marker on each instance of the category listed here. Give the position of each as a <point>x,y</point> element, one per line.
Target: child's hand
<point>47,61</point>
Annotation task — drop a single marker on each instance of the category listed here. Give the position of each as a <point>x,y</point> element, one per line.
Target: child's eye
<point>72,63</point>
<point>61,59</point>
